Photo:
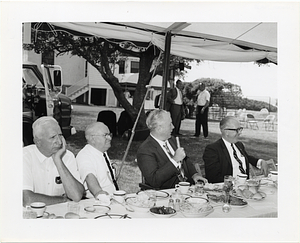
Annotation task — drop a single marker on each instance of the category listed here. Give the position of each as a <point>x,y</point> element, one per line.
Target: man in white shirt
<point>94,165</point>
<point>175,100</point>
<point>227,156</point>
<point>202,111</point>
<point>162,163</point>
<point>50,172</point>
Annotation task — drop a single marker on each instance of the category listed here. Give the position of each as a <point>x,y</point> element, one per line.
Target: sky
<point>256,82</point>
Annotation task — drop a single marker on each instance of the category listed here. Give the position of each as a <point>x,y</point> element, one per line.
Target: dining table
<point>265,208</point>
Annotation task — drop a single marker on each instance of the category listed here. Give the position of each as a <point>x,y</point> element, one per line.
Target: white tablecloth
<point>263,208</point>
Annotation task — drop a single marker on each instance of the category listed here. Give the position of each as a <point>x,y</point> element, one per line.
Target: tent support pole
<point>163,100</point>
<point>136,120</point>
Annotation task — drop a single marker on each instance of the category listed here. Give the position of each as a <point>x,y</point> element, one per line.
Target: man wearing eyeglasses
<point>227,156</point>
<point>94,165</point>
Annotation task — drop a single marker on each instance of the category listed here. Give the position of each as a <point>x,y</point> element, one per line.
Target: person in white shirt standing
<point>94,165</point>
<point>175,99</point>
<point>202,111</point>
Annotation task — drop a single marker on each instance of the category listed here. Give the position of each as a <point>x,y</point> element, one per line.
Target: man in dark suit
<point>227,156</point>
<point>175,106</point>
<point>162,163</point>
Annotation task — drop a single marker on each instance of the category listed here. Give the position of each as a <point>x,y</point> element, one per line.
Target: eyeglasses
<point>106,135</point>
<point>238,130</point>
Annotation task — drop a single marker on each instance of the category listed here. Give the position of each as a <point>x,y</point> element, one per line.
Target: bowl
<point>139,204</point>
<point>191,211</point>
<point>97,209</point>
<point>197,200</point>
<point>163,212</point>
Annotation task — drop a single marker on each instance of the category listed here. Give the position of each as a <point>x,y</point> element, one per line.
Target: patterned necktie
<point>180,176</point>
<point>168,150</point>
<point>238,160</point>
<point>111,171</point>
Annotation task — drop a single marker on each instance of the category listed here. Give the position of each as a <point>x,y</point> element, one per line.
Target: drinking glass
<point>228,183</point>
<point>29,214</point>
<point>227,189</point>
<point>226,206</point>
<point>199,188</point>
<point>73,207</point>
<point>152,198</point>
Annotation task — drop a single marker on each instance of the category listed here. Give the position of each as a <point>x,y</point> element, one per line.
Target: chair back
<point>250,116</point>
<point>269,118</point>
<point>109,118</point>
<point>230,113</point>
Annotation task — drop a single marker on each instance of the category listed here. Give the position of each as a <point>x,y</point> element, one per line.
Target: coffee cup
<point>183,186</point>
<point>273,175</point>
<point>242,178</point>
<point>119,196</point>
<point>39,208</point>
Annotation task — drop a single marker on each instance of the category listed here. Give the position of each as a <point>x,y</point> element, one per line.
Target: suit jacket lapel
<point>226,153</point>
<point>160,151</point>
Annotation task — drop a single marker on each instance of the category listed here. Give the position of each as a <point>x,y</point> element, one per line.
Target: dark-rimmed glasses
<point>238,130</point>
<point>106,135</point>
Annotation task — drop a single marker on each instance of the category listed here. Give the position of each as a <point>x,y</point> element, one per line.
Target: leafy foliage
<point>103,54</point>
<point>223,94</point>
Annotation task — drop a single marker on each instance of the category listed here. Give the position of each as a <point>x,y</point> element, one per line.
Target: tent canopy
<point>227,42</point>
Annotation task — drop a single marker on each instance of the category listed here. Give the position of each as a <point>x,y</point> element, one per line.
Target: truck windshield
<point>30,78</point>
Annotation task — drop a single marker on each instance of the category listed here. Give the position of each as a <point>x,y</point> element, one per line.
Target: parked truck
<point>42,97</point>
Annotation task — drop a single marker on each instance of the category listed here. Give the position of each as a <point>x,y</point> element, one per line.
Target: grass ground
<point>259,143</point>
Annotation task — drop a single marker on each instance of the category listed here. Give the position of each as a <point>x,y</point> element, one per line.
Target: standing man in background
<point>202,111</point>
<point>175,99</point>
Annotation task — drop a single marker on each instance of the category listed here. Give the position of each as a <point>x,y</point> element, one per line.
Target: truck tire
<point>27,131</point>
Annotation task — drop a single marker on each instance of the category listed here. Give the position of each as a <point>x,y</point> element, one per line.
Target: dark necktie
<point>111,171</point>
<point>238,160</point>
<point>180,176</point>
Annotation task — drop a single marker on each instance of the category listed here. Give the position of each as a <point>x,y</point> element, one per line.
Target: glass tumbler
<point>199,188</point>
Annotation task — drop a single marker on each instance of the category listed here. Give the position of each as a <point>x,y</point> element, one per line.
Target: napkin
<point>103,199</point>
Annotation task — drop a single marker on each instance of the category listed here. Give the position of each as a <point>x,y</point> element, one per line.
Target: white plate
<point>136,205</point>
<point>221,202</point>
<point>97,209</point>
<point>159,194</point>
<point>113,216</point>
<point>263,194</point>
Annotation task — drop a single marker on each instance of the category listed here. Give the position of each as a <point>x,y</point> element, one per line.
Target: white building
<point>84,84</point>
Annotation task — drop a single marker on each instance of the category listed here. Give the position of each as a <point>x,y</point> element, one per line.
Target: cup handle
<point>176,186</point>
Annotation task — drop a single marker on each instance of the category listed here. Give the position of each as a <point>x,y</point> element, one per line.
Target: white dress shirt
<point>178,99</point>
<point>235,163</point>
<point>40,174</point>
<point>91,161</point>
<point>203,97</point>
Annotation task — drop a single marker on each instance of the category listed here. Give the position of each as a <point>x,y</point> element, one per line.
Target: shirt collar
<point>39,155</point>
<point>161,143</point>
<point>94,149</point>
<point>227,144</point>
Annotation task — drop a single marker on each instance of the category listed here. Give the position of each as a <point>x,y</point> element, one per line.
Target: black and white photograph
<point>149,121</point>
